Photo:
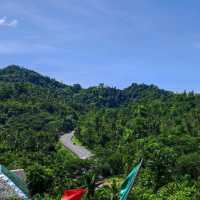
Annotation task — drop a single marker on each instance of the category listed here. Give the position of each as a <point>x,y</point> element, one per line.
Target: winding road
<point>80,151</point>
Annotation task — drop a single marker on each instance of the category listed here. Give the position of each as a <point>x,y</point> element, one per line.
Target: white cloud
<point>6,23</point>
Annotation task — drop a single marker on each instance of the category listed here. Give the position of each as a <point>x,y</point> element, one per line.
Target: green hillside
<point>119,125</point>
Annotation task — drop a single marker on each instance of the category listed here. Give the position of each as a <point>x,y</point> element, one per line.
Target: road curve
<point>80,151</point>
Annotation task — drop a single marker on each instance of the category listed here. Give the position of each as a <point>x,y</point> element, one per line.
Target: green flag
<point>129,181</point>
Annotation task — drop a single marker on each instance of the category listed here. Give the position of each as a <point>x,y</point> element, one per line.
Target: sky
<point>113,42</point>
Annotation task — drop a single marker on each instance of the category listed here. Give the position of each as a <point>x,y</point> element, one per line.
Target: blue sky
<point>105,41</point>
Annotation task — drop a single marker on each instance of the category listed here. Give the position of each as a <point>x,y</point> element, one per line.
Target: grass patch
<point>118,179</point>
<point>76,141</point>
<point>66,152</point>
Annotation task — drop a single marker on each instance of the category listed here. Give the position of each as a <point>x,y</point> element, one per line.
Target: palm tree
<point>89,182</point>
<point>110,191</point>
<point>114,190</point>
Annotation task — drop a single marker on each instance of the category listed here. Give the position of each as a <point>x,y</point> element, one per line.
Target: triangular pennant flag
<point>75,194</point>
<point>129,181</point>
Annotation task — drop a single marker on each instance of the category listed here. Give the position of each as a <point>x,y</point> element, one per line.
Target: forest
<point>120,126</point>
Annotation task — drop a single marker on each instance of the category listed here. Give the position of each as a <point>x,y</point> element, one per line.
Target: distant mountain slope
<point>105,96</point>
<point>14,73</point>
<point>142,91</point>
<point>101,95</point>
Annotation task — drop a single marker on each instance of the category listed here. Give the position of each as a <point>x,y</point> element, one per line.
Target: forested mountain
<point>119,126</point>
<point>18,74</point>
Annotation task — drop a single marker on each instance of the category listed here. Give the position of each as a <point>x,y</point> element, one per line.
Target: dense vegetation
<point>120,126</point>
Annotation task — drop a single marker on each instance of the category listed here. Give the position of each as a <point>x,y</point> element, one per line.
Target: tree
<point>40,178</point>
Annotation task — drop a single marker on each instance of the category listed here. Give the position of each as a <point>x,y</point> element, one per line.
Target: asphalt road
<point>80,151</point>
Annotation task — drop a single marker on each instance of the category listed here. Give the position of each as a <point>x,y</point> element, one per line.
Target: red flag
<point>74,194</point>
